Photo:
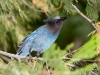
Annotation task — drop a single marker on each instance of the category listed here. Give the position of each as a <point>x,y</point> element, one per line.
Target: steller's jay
<point>42,38</point>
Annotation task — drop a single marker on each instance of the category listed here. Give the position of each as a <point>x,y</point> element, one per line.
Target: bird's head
<point>55,23</point>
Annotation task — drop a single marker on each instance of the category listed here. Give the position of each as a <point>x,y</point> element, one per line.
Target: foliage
<point>94,4</point>
<point>17,20</point>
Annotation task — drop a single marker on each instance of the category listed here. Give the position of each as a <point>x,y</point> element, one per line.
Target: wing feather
<point>31,36</point>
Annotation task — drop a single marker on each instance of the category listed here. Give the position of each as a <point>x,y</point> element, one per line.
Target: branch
<point>17,56</point>
<point>31,6</point>
<point>89,20</point>
<point>83,60</point>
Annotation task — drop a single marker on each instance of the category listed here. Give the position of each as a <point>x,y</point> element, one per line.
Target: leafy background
<point>74,52</point>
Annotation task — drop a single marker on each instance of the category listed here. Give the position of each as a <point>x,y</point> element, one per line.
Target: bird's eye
<point>57,22</point>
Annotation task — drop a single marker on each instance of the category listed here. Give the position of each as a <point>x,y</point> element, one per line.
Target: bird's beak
<point>63,18</point>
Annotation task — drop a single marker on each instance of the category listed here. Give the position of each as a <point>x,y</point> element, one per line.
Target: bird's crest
<point>51,19</point>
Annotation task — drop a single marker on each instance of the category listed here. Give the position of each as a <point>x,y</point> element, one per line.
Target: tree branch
<point>31,6</point>
<point>17,56</point>
<point>83,60</point>
<point>89,20</point>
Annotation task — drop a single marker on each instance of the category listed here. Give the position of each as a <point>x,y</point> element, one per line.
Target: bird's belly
<point>44,42</point>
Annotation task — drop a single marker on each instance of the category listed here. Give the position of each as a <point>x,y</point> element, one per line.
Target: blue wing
<point>33,34</point>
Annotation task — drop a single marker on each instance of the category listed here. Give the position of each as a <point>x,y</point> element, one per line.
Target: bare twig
<point>17,56</point>
<point>47,67</point>
<point>95,61</point>
<point>89,20</point>
<point>93,73</point>
<point>6,59</point>
<point>32,7</point>
<point>71,65</point>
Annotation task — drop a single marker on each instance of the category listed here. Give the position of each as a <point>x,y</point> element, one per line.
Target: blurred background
<point>18,18</point>
<point>73,53</point>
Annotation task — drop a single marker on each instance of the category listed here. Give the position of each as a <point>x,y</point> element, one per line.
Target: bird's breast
<point>46,39</point>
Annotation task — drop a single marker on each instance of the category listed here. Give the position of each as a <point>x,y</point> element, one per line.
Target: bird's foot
<point>38,53</point>
<point>31,61</point>
<point>29,58</point>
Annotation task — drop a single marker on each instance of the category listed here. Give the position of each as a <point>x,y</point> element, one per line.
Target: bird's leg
<point>30,56</point>
<point>30,53</point>
<point>38,53</point>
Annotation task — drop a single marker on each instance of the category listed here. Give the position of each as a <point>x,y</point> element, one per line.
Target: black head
<point>55,23</point>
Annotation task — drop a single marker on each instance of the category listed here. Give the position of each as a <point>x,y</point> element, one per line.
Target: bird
<point>42,38</point>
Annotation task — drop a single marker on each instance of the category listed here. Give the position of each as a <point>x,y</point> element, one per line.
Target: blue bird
<point>42,38</point>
